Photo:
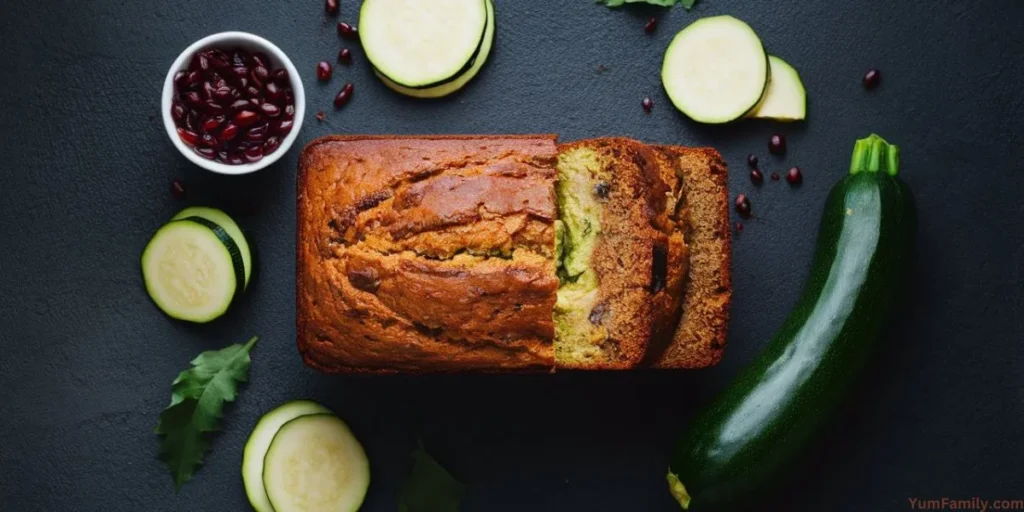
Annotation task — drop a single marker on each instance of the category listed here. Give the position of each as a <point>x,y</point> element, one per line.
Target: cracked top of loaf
<point>427,253</point>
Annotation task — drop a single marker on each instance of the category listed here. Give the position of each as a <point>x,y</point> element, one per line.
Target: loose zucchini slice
<point>459,81</point>
<point>785,99</point>
<point>715,70</point>
<point>192,269</point>
<point>223,220</point>
<point>421,44</point>
<point>315,464</point>
<point>259,442</point>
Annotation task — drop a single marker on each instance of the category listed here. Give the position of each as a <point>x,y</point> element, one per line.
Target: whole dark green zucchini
<point>748,435</point>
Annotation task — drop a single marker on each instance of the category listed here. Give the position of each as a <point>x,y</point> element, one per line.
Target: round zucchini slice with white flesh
<point>315,464</point>
<point>259,442</point>
<point>459,81</point>
<point>715,70</point>
<point>193,270</point>
<point>417,43</point>
<point>223,220</point>
<point>785,99</point>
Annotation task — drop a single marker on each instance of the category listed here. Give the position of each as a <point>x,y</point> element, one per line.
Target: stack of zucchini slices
<point>426,49</point>
<point>716,71</point>
<point>197,265</point>
<point>300,457</point>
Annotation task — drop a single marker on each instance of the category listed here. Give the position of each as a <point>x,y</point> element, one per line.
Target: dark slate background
<point>87,360</point>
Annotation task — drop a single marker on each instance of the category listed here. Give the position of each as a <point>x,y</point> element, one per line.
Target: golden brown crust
<point>700,338</point>
<point>640,255</point>
<point>427,253</point>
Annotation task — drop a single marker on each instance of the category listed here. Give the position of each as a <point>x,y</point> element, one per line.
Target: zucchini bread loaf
<point>506,253</point>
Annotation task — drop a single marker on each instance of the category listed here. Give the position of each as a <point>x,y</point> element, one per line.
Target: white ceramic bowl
<point>252,43</point>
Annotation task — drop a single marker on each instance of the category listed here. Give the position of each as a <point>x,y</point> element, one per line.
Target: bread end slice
<point>700,338</point>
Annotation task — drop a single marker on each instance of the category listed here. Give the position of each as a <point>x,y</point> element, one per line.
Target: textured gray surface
<point>87,360</point>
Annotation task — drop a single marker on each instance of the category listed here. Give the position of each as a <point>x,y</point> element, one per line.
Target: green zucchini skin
<point>763,420</point>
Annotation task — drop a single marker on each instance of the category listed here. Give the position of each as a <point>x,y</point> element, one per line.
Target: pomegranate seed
<point>739,227</point>
<point>743,205</point>
<point>207,153</point>
<point>178,111</point>
<point>794,176</point>
<point>258,134</point>
<point>331,6</point>
<point>199,62</point>
<point>218,60</point>
<point>229,132</point>
<point>344,95</point>
<point>283,128</point>
<point>320,116</point>
<point>280,77</point>
<point>208,140</point>
<point>289,98</point>
<point>180,79</point>
<point>752,161</point>
<point>246,118</point>
<point>193,100</point>
<point>756,177</point>
<point>345,56</point>
<point>777,144</point>
<point>323,71</point>
<point>347,31</point>
<point>254,154</point>
<point>270,145</point>
<point>235,159</point>
<point>252,91</point>
<point>239,104</point>
<point>775,176</point>
<point>872,78</point>
<point>259,76</point>
<point>240,57</point>
<point>212,123</point>
<point>213,108</point>
<point>273,92</point>
<point>178,189</point>
<point>647,104</point>
<point>208,90</point>
<point>651,25</point>
<point>239,73</point>
<point>289,112</point>
<point>192,121</point>
<point>255,102</point>
<point>270,110</point>
<point>193,79</point>
<point>261,60</point>
<point>188,137</point>
<point>223,94</point>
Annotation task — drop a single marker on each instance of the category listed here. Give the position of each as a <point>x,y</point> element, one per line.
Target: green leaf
<point>430,488</point>
<point>198,395</point>
<point>688,4</point>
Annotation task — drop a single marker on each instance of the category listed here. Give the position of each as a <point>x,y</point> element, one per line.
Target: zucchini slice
<point>315,463</point>
<point>223,220</point>
<point>192,269</point>
<point>422,44</point>
<point>785,99</point>
<point>259,442</point>
<point>715,70</point>
<point>459,81</point>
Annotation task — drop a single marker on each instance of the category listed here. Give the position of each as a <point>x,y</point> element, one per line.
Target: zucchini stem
<point>873,154</point>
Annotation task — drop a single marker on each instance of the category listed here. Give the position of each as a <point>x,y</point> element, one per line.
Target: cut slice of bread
<point>622,253</point>
<point>699,339</point>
